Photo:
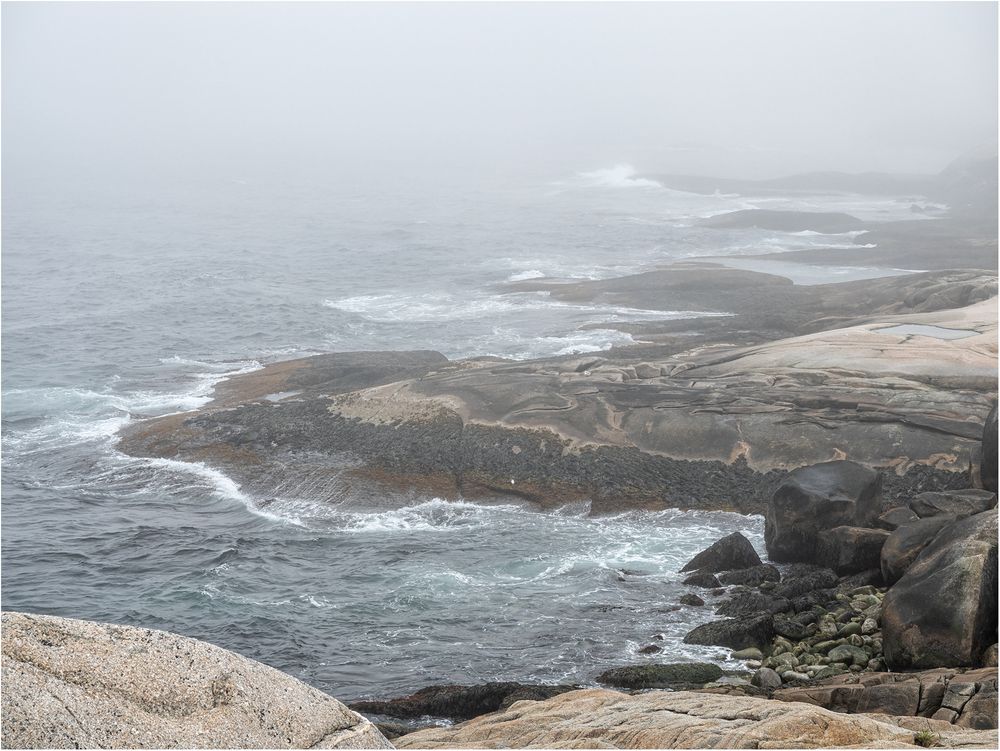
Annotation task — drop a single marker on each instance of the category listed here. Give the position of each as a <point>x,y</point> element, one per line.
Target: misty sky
<point>741,89</point>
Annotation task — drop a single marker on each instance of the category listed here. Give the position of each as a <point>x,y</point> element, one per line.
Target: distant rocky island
<point>858,418</point>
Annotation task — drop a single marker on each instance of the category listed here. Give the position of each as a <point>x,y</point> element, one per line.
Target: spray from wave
<point>619,176</point>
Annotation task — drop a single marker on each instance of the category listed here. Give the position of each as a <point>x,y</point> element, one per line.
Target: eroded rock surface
<point>664,719</point>
<point>689,422</point>
<point>78,684</point>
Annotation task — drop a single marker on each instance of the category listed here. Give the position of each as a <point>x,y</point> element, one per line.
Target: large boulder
<point>943,611</point>
<point>904,545</point>
<point>729,553</point>
<point>597,718</point>
<point>819,497</point>
<point>955,503</point>
<point>988,462</point>
<point>735,633</point>
<point>851,550</point>
<point>78,684</point>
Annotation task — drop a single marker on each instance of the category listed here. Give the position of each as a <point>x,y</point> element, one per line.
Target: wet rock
<point>819,497</point>
<point>848,654</point>
<point>766,678</point>
<point>76,684</point>
<point>896,517</point>
<point>650,649</point>
<point>790,676</point>
<point>702,579</point>
<point>789,628</point>
<point>871,578</point>
<point>735,633</point>
<point>753,576</point>
<point>904,545</point>
<point>954,503</point>
<point>988,462</point>
<point>661,676</point>
<point>750,603</point>
<point>804,579</point>
<point>456,702</point>
<point>731,552</point>
<point>850,550</point>
<point>943,611</point>
<point>692,600</point>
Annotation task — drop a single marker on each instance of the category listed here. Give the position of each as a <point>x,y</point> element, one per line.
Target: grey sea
<point>121,304</point>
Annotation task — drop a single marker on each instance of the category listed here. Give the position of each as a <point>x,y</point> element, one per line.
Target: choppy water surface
<point>118,306</point>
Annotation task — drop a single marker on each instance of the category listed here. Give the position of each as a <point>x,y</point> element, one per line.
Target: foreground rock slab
<point>596,718</point>
<point>78,684</point>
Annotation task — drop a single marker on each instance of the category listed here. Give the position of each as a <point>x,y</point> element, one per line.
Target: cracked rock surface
<point>77,684</point>
<point>595,718</point>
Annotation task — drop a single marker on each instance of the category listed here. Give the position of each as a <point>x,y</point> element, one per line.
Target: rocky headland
<point>707,413</point>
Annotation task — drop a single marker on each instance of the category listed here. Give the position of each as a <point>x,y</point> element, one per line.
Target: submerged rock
<point>816,498</point>
<point>70,683</point>
<point>731,552</point>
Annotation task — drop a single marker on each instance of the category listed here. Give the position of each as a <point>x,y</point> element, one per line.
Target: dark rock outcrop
<point>955,503</point>
<point>785,221</point>
<point>751,577</point>
<point>731,552</point>
<point>896,517</point>
<point>988,460</point>
<point>943,611</point>
<point>851,550</point>
<point>751,603</point>
<point>459,702</point>
<point>661,676</point>
<point>816,498</point>
<point>803,579</point>
<point>735,633</point>
<point>702,579</point>
<point>904,545</point>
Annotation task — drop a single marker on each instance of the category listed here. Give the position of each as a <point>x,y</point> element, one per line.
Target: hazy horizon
<point>750,90</point>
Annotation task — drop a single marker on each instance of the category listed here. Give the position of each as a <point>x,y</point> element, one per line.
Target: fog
<point>743,90</point>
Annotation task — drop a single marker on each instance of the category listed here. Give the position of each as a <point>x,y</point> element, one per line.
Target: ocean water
<point>122,302</point>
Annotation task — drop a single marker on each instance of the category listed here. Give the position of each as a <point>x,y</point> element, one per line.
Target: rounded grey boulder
<point>731,552</point>
<point>77,684</point>
<point>819,497</point>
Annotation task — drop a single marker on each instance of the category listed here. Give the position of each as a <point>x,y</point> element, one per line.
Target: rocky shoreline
<point>850,415</point>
